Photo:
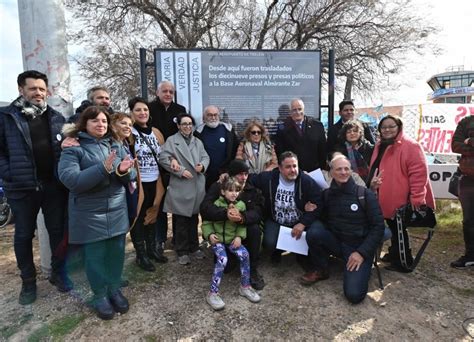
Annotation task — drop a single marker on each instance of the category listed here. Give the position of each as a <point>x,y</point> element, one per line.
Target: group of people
<point>127,172</point>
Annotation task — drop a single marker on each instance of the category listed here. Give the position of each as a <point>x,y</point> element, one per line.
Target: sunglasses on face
<point>255,132</point>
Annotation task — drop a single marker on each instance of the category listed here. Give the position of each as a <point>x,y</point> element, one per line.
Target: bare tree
<point>370,37</point>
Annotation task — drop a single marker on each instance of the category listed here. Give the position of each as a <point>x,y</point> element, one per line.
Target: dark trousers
<point>253,242</point>
<point>394,250</point>
<point>466,197</point>
<point>323,243</point>
<point>140,231</point>
<point>186,234</point>
<point>104,264</point>
<point>25,205</point>
<point>162,224</point>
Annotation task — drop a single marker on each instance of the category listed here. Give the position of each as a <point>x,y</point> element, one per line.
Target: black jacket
<point>165,119</point>
<point>347,218</point>
<point>17,164</point>
<point>310,147</point>
<point>251,196</point>
<point>333,136</point>
<point>306,190</point>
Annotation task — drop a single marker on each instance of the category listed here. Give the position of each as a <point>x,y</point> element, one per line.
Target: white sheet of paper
<point>318,176</point>
<point>288,243</point>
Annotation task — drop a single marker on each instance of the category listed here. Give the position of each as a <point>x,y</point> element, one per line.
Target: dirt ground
<point>429,304</point>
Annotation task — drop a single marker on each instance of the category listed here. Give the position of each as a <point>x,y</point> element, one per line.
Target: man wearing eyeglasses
<point>220,141</point>
<point>304,136</point>
<point>346,112</point>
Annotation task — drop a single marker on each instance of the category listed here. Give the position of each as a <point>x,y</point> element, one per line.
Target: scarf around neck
<point>358,164</point>
<point>30,110</point>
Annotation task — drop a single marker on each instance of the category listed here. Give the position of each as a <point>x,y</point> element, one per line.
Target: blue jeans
<point>104,264</point>
<point>25,205</point>
<point>271,230</point>
<point>466,197</point>
<point>323,243</point>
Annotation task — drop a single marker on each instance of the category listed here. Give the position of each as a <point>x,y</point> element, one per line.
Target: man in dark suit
<point>303,136</point>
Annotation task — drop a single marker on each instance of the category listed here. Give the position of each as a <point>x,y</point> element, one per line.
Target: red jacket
<point>404,177</point>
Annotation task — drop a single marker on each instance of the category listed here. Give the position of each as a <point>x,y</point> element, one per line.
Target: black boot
<point>396,265</point>
<point>142,259</point>
<point>119,302</point>
<point>103,308</point>
<point>28,292</point>
<point>154,250</point>
<point>61,281</point>
<point>256,279</point>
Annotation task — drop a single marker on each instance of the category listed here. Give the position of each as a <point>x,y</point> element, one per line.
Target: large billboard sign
<point>435,124</point>
<point>244,84</point>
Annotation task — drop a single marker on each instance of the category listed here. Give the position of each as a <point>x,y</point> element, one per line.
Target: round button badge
<point>354,207</point>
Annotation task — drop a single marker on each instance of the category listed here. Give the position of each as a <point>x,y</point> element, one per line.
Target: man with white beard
<point>220,142</point>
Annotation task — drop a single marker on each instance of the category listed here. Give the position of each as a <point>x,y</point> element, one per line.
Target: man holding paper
<point>286,192</point>
<point>354,229</point>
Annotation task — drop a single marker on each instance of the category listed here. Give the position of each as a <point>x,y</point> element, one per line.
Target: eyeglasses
<point>255,132</point>
<point>386,128</point>
<point>186,124</point>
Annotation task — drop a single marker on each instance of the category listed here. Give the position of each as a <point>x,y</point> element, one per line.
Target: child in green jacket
<point>228,235</point>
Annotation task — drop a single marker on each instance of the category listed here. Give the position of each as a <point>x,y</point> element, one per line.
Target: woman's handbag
<point>407,217</point>
<point>454,183</point>
<point>423,217</point>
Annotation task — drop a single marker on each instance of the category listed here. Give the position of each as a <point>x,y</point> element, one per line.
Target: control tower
<point>456,85</point>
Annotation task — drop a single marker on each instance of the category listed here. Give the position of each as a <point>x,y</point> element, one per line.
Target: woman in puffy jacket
<point>95,173</point>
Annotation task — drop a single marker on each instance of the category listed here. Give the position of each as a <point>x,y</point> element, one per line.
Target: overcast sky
<point>455,19</point>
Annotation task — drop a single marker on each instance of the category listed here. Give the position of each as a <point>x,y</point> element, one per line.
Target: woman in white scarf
<point>256,149</point>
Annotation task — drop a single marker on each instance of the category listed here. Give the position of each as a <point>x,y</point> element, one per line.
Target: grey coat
<point>97,203</point>
<point>184,196</point>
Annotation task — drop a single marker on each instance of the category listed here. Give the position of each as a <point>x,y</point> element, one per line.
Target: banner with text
<point>435,124</point>
<point>244,84</point>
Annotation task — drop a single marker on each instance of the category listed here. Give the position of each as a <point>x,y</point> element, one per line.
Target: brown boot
<point>313,277</point>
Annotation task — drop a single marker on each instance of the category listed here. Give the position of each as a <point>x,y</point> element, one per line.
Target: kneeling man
<point>353,230</point>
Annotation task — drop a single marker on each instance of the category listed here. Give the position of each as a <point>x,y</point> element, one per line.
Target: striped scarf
<point>358,164</point>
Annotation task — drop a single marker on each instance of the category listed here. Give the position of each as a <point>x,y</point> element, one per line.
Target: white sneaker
<point>250,294</point>
<point>198,254</point>
<point>184,259</point>
<point>215,301</point>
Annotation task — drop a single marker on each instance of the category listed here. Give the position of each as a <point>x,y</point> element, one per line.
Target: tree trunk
<point>348,87</point>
